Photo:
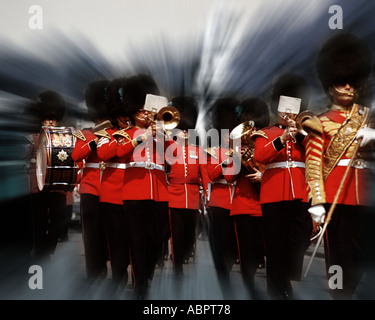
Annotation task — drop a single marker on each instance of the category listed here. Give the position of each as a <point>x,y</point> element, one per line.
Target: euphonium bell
<point>246,132</point>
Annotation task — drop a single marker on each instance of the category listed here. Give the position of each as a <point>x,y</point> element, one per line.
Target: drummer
<point>49,208</point>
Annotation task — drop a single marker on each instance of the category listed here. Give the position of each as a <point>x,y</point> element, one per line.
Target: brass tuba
<point>246,132</point>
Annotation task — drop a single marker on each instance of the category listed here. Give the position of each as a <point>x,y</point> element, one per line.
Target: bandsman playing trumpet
<point>287,226</point>
<point>144,191</point>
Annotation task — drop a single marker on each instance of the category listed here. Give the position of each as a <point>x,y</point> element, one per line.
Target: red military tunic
<point>284,176</point>
<point>246,197</point>
<point>322,189</point>
<point>90,173</point>
<point>113,175</point>
<point>220,191</point>
<point>188,171</point>
<point>145,177</point>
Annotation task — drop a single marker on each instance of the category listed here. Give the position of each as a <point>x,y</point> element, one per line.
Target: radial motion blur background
<point>205,48</point>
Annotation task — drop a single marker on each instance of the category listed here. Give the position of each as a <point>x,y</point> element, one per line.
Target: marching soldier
<point>338,176</point>
<point>287,225</point>
<point>85,152</point>
<point>246,209</point>
<point>112,182</point>
<point>187,173</point>
<point>49,207</point>
<point>144,192</point>
<point>221,233</point>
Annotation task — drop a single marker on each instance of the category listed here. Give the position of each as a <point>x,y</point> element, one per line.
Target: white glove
<point>317,213</point>
<point>367,135</point>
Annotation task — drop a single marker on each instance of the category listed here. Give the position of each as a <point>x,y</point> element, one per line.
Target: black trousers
<point>117,237</point>
<point>250,242</point>
<point>49,211</point>
<point>349,244</point>
<point>222,238</point>
<point>162,212</point>
<point>287,231</point>
<point>94,236</point>
<point>183,229</point>
<point>144,241</point>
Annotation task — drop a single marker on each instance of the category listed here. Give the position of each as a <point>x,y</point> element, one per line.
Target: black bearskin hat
<point>96,99</point>
<point>256,110</point>
<point>188,108</point>
<point>344,59</point>
<point>224,113</point>
<point>133,93</point>
<point>50,105</point>
<point>114,98</point>
<point>290,85</point>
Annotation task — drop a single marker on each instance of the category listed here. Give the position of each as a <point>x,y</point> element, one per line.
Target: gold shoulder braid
<point>344,137</point>
<point>103,133</point>
<point>122,133</point>
<point>79,135</point>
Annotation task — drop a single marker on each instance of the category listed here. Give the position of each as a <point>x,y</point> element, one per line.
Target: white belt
<point>96,165</point>
<point>103,165</point>
<point>357,163</point>
<point>146,165</point>
<point>285,164</point>
<point>116,165</point>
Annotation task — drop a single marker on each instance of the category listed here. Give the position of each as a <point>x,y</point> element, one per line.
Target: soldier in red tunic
<point>144,191</point>
<point>85,151</point>
<point>112,182</point>
<point>343,65</point>
<point>187,173</point>
<point>246,209</point>
<point>287,225</point>
<point>221,231</point>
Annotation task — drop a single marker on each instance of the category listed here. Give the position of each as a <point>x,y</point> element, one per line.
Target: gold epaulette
<point>103,133</point>
<point>79,135</point>
<point>211,152</point>
<point>122,133</point>
<point>259,133</point>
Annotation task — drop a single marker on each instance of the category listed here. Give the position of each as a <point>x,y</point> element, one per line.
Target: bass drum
<point>55,168</point>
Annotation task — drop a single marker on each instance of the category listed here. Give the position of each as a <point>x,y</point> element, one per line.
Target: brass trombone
<point>169,115</point>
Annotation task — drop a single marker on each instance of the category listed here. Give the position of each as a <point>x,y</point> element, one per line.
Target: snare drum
<point>55,168</point>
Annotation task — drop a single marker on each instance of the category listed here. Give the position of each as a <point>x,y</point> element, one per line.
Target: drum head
<point>41,162</point>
